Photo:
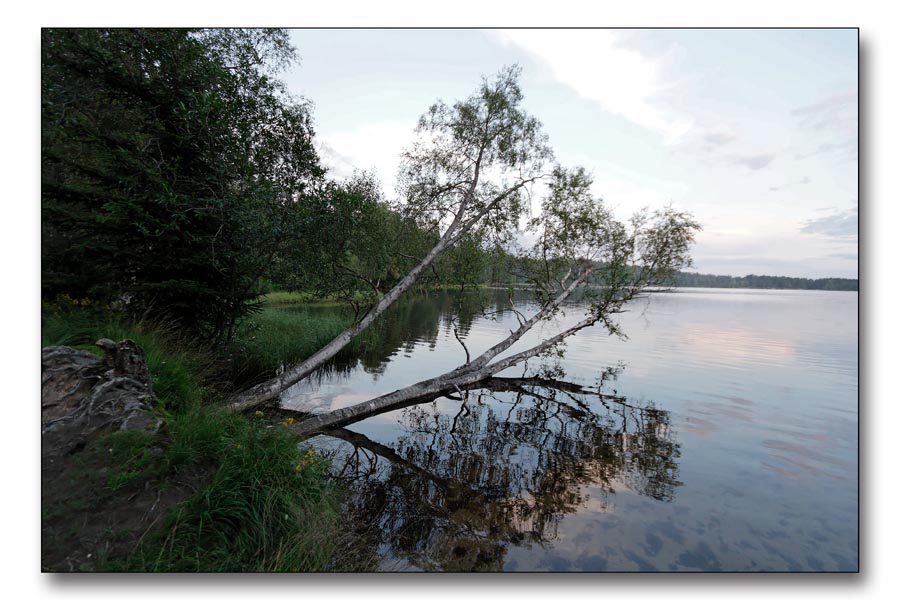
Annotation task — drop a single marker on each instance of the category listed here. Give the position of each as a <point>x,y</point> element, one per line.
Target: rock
<point>82,395</point>
<point>125,359</point>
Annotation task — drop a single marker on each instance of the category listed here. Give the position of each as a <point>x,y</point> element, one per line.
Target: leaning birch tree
<point>471,166</point>
<point>578,242</point>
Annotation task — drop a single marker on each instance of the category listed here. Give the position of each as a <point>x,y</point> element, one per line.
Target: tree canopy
<point>175,169</point>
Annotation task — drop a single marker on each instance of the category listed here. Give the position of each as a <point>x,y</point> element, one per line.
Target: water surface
<point>721,435</point>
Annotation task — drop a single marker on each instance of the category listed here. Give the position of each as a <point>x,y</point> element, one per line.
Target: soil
<point>88,526</point>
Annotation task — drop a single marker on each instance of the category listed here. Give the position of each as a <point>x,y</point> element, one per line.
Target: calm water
<point>725,438</point>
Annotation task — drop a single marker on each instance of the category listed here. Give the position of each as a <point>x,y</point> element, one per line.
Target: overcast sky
<point>754,131</point>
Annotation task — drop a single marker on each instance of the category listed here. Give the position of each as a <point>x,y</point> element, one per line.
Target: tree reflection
<point>502,466</point>
<point>418,318</point>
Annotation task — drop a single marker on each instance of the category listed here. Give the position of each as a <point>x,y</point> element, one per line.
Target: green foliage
<point>466,263</point>
<point>474,160</point>
<point>174,167</point>
<point>355,247</point>
<point>577,237</point>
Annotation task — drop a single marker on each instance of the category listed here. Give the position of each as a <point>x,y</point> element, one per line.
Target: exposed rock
<point>82,395</point>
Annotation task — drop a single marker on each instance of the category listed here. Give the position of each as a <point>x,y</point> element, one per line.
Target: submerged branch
<point>461,377</point>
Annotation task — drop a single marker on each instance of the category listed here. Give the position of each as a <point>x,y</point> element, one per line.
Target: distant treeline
<point>765,282</point>
<point>497,267</point>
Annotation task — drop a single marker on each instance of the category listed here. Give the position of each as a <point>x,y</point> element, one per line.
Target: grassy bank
<point>280,298</point>
<point>283,333</point>
<point>238,494</point>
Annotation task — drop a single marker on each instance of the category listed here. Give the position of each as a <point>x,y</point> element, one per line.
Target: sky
<point>753,131</point>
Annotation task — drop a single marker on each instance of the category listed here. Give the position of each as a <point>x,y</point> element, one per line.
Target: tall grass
<point>267,508</point>
<point>279,336</point>
<point>288,298</point>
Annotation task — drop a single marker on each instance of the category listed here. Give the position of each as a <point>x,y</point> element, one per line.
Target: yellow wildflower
<point>258,413</point>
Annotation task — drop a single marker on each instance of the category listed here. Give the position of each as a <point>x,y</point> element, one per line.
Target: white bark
<point>489,354</point>
<point>666,242</point>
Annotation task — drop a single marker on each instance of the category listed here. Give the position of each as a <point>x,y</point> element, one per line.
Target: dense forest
<point>179,177</point>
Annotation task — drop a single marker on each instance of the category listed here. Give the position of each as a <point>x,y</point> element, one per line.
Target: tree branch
<point>458,339</point>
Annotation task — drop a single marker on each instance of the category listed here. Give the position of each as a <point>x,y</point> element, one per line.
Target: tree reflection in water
<point>418,319</point>
<point>470,476</point>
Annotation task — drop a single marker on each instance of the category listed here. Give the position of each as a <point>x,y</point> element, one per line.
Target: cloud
<point>715,139</point>
<point>824,149</point>
<point>831,124</point>
<point>338,165</point>
<point>599,67</point>
<point>841,224</point>
<point>828,106</point>
<point>846,148</point>
<point>803,181</point>
<point>754,162</point>
<point>374,147</point>
<point>707,144</point>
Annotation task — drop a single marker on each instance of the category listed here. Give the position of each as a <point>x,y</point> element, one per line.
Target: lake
<point>721,435</point>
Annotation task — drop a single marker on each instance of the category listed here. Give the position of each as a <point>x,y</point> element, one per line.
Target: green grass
<point>282,298</point>
<point>278,336</point>
<point>131,456</point>
<point>269,507</point>
<point>291,298</point>
<point>265,506</point>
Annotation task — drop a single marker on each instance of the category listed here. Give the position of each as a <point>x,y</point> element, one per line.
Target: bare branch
<point>458,339</point>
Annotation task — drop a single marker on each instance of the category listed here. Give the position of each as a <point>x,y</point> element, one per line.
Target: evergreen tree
<point>175,169</point>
